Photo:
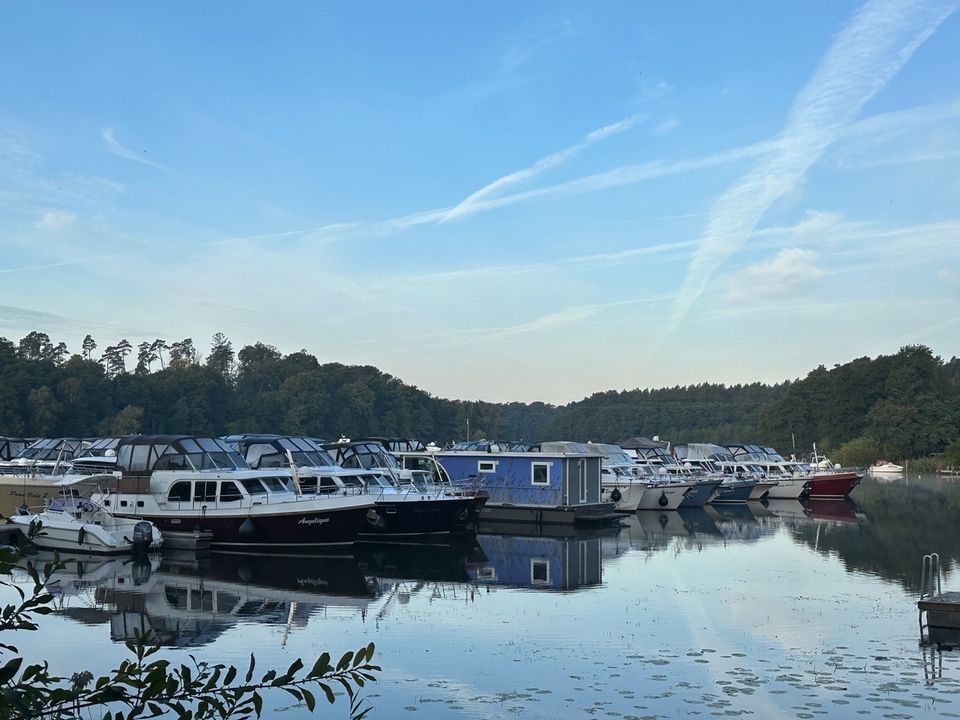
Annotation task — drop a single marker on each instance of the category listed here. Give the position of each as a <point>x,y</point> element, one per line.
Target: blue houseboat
<point>556,483</point>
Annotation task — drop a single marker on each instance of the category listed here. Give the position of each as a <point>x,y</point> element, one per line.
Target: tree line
<point>902,405</point>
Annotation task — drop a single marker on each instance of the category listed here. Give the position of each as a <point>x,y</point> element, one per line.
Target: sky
<point>499,201</point>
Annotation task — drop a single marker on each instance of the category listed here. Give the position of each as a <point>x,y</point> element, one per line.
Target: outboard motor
<point>142,536</point>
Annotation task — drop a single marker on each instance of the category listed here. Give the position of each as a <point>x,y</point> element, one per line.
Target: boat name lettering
<point>313,521</point>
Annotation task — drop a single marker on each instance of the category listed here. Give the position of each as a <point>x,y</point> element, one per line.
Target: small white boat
<point>886,468</point>
<point>71,523</point>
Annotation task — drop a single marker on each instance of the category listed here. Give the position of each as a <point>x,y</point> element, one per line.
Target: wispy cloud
<point>56,220</point>
<point>865,55</point>
<point>117,148</point>
<point>791,271</point>
<point>918,134</point>
<point>540,166</point>
<point>31,268</point>
<point>666,126</point>
<point>511,72</point>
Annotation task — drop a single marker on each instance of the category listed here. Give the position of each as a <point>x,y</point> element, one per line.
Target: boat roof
<point>395,444</point>
<point>568,447</point>
<point>140,454</point>
<point>642,443</point>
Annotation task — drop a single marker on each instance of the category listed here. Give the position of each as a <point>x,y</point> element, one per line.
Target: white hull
<point>886,469</point>
<point>662,497</point>
<point>760,490</point>
<point>631,495</point>
<point>787,489</point>
<point>64,533</point>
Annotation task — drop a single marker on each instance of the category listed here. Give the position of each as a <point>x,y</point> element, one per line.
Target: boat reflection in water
<point>192,604</point>
<point>539,563</point>
<point>437,562</point>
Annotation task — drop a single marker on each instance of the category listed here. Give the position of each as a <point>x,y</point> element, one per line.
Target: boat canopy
<point>396,444</point>
<point>642,443</point>
<point>100,447</point>
<point>704,451</point>
<point>656,456</point>
<point>368,455</point>
<point>51,449</point>
<point>566,447</point>
<point>492,446</point>
<point>614,454</point>
<point>10,447</point>
<point>274,451</point>
<point>145,454</point>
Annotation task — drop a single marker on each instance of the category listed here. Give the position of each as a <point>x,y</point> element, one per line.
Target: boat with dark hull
<point>407,510</point>
<point>183,483</point>
<point>833,484</point>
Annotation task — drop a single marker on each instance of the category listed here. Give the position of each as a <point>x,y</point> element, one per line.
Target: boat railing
<point>930,576</point>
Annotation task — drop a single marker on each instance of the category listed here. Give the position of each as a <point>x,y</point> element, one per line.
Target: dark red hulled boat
<point>833,484</point>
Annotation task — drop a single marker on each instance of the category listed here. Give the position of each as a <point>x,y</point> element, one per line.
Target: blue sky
<point>506,201</point>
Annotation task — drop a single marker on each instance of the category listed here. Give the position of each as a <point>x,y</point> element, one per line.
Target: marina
<point>781,609</point>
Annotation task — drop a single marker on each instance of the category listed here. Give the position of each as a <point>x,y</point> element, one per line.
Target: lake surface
<point>791,610</point>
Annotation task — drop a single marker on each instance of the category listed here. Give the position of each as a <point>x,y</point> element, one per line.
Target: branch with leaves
<point>149,687</point>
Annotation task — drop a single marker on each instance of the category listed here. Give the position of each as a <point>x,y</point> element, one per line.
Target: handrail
<point>930,576</point>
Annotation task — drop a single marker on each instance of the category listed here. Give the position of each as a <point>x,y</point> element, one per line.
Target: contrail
<point>868,52</point>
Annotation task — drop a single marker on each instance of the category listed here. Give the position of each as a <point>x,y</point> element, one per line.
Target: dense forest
<point>903,405</point>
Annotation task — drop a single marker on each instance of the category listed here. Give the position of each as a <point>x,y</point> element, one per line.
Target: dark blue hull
<point>699,495</point>
<point>735,493</point>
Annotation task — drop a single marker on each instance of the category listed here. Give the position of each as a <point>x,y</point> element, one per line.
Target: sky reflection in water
<point>784,611</point>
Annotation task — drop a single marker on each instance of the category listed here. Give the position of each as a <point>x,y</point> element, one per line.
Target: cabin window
<point>275,484</point>
<point>229,492</point>
<point>139,503</point>
<point>205,491</point>
<point>254,486</point>
<point>180,492</point>
<point>487,466</point>
<point>540,473</point>
<point>539,572</point>
<point>328,484</point>
<point>177,597</point>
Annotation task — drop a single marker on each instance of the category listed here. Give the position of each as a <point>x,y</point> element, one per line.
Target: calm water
<point>787,611</point>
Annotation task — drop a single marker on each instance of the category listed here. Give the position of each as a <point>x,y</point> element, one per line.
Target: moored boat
<point>883,467</point>
<point>558,482</point>
<point>182,483</point>
<point>30,477</point>
<point>73,523</point>
<point>406,509</point>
